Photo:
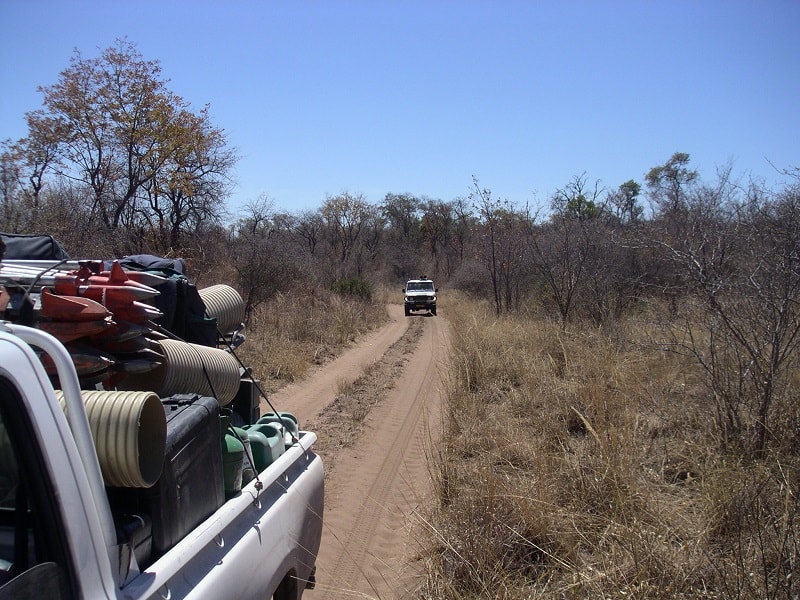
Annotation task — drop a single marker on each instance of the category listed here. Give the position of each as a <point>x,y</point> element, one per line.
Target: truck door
<point>34,560</point>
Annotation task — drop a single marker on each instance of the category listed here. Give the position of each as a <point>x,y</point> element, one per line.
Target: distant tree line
<point>115,164</point>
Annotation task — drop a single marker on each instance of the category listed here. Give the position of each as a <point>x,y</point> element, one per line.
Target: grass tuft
<point>581,462</point>
<point>290,335</point>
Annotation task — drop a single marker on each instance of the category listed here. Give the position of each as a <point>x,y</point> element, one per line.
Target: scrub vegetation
<point>587,462</point>
<point>623,403</point>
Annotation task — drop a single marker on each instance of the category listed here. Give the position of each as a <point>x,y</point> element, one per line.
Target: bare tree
<point>502,230</point>
<point>741,260</point>
<point>564,249</point>
<point>462,226</point>
<point>263,258</point>
<point>345,217</point>
<point>403,244</point>
<point>402,212</point>
<point>373,237</point>
<point>436,229</point>
<point>309,226</point>
<point>9,186</point>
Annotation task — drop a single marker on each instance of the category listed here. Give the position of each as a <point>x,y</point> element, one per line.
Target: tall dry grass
<point>290,334</point>
<point>583,463</point>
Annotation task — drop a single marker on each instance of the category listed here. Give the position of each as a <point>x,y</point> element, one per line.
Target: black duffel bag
<point>32,247</point>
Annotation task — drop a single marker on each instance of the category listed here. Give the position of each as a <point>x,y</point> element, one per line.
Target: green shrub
<point>356,287</point>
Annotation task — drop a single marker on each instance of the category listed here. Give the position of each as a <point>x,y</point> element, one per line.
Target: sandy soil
<point>376,409</point>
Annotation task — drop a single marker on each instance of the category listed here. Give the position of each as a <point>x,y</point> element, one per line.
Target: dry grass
<point>583,463</point>
<point>291,334</point>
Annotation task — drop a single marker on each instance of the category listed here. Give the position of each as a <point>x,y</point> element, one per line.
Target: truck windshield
<point>420,286</point>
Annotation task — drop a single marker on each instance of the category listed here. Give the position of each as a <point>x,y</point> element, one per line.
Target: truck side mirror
<point>404,290</point>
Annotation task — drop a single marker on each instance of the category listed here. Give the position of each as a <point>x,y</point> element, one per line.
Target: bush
<point>355,287</point>
<point>584,461</point>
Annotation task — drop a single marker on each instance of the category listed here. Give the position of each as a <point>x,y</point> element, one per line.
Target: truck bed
<point>243,541</point>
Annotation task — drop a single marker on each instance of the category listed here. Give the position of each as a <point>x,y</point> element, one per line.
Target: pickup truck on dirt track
<point>126,493</point>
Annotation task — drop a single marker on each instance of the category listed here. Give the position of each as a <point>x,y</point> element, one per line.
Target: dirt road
<point>376,409</point>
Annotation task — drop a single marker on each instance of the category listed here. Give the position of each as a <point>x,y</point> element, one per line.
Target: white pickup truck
<point>61,535</point>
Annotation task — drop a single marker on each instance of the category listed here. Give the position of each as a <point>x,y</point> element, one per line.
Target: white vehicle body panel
<point>78,505</point>
<point>243,550</point>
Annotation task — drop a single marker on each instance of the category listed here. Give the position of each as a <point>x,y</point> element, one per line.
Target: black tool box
<point>191,485</point>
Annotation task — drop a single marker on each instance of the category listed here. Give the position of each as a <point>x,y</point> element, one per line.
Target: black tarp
<point>183,308</point>
<point>32,247</point>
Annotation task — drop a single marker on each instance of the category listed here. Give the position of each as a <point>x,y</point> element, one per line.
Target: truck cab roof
<point>419,285</point>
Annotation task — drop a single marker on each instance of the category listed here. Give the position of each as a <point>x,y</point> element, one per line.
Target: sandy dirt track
<point>377,482</point>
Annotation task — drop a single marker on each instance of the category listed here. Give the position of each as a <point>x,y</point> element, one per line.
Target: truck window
<point>32,554</point>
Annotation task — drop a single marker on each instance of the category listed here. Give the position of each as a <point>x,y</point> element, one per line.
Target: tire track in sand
<point>308,397</point>
<point>381,481</point>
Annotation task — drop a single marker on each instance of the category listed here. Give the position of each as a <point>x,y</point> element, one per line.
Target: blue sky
<point>370,97</point>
